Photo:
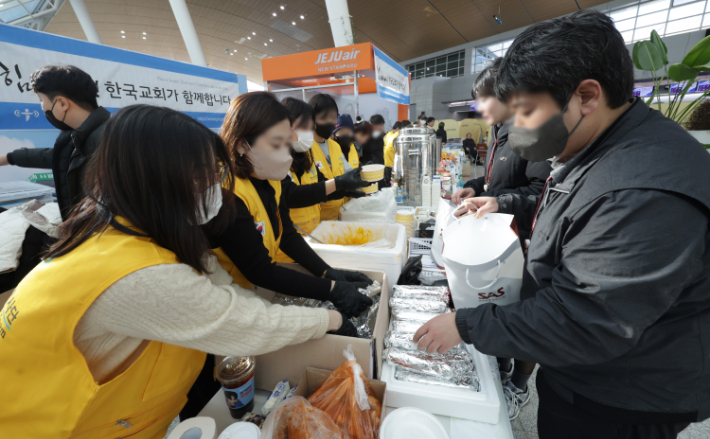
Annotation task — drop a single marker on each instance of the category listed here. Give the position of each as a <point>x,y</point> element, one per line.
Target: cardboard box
<point>325,353</point>
<point>313,378</point>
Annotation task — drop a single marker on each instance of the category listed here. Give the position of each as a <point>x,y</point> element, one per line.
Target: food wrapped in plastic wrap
<point>449,366</point>
<point>308,422</point>
<point>415,316</point>
<point>417,305</point>
<point>466,381</point>
<point>419,292</point>
<point>288,300</point>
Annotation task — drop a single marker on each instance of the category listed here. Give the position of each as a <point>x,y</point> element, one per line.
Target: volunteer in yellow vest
<point>104,338</point>
<point>390,151</point>
<point>327,154</point>
<point>395,129</point>
<point>257,131</point>
<point>344,136</point>
<point>305,187</point>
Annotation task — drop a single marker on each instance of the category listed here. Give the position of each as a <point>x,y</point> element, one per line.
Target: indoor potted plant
<point>698,124</point>
<point>652,56</point>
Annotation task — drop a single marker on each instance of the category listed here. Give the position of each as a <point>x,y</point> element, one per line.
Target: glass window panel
<point>684,25</point>
<point>431,63</point>
<point>507,44</point>
<point>494,47</point>
<point>650,19</point>
<point>453,58</point>
<point>420,66</point>
<point>441,61</point>
<point>453,65</point>
<point>623,14</point>
<point>461,61</point>
<point>661,5</point>
<point>681,2</point>
<point>452,73</point>
<point>687,10</point>
<point>628,36</point>
<point>644,33</point>
<point>460,71</point>
<point>706,22</point>
<point>440,68</point>
<point>429,72</point>
<point>625,25</point>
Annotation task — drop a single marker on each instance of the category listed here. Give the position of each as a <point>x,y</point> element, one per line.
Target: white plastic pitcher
<point>484,260</point>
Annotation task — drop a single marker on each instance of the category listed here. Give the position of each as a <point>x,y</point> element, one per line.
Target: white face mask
<point>213,198</point>
<point>376,134</point>
<point>422,122</point>
<point>305,141</point>
<point>272,165</point>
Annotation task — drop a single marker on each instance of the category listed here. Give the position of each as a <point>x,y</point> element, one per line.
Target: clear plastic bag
<point>307,422</point>
<point>276,424</point>
<point>350,400</point>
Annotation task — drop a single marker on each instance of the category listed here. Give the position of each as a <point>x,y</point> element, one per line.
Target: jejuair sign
<point>336,56</point>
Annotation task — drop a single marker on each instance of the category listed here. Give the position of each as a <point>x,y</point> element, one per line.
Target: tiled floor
<point>525,426</point>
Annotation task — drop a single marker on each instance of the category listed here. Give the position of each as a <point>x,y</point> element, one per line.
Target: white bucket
<point>484,260</point>
<point>443,219</point>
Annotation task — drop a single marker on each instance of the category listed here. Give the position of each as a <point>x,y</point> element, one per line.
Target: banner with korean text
<point>392,79</point>
<point>123,78</point>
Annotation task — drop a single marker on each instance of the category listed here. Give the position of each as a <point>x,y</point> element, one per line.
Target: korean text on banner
<point>392,79</point>
<point>123,78</point>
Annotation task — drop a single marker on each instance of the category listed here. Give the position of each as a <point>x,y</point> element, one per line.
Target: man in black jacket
<point>68,97</point>
<point>616,284</point>
<point>505,172</point>
<point>375,153</point>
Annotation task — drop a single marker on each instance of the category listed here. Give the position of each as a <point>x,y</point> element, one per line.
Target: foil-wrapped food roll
<point>327,305</point>
<point>365,323</point>
<point>465,381</point>
<point>447,366</point>
<point>441,294</point>
<point>415,316</point>
<point>406,326</point>
<point>417,305</point>
<point>405,341</point>
<point>288,300</point>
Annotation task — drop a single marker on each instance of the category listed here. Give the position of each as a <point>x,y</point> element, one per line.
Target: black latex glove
<point>347,329</point>
<point>348,300</point>
<point>388,177</point>
<point>350,181</point>
<point>346,276</point>
<point>355,194</point>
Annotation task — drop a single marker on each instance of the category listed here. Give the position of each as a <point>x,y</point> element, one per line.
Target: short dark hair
<point>556,55</point>
<point>322,103</point>
<point>364,128</point>
<point>297,109</point>
<point>406,123</point>
<point>249,116</point>
<point>68,81</point>
<point>484,85</point>
<point>397,125</point>
<point>430,119</point>
<point>422,117</point>
<point>150,167</point>
<point>442,124</point>
<point>377,119</point>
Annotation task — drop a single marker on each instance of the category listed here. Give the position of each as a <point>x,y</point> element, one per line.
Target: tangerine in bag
<point>307,422</point>
<point>349,399</point>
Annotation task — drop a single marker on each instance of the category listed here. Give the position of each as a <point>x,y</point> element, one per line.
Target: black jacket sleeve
<point>297,196</point>
<point>536,174</point>
<point>616,277</point>
<point>245,247</point>
<point>295,247</point>
<point>476,184</point>
<point>522,207</point>
<point>31,158</point>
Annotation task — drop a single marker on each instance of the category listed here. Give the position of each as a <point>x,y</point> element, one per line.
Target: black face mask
<point>345,142</point>
<point>324,130</point>
<point>56,123</point>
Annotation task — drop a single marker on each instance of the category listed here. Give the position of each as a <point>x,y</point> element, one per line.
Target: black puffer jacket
<point>617,278</point>
<point>67,160</point>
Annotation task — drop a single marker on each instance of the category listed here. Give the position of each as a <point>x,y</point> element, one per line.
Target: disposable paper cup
<point>371,189</point>
<point>373,172</point>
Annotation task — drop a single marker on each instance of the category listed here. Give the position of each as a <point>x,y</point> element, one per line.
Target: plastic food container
<point>236,374</point>
<point>410,422</point>
<point>373,172</point>
<point>371,189</point>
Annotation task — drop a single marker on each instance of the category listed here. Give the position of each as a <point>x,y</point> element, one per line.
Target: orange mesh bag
<point>349,399</point>
<point>307,422</point>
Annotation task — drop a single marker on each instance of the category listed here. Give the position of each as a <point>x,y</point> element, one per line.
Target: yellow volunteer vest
<point>390,151</point>
<point>306,218</point>
<point>245,190</point>
<point>331,209</point>
<point>48,391</point>
<point>387,136</point>
<point>353,158</point>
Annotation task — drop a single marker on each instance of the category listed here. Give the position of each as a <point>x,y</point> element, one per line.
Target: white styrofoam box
<point>14,192</point>
<point>389,260</point>
<point>482,406</point>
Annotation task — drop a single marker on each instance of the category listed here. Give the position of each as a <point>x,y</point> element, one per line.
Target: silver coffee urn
<point>420,152</point>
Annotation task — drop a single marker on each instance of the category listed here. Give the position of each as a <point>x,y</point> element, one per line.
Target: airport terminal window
<point>449,66</point>
<point>483,56</point>
<point>667,17</point>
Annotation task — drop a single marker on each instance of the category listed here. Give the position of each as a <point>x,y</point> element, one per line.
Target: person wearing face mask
<point>430,122</point>
<point>616,285</point>
<point>129,301</point>
<point>257,131</point>
<point>343,134</point>
<point>327,153</point>
<point>376,154</point>
<point>305,187</point>
<point>68,98</point>
<point>422,120</point>
<point>365,142</point>
<point>505,171</point>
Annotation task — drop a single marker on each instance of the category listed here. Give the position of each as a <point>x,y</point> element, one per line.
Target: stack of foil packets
<point>412,306</point>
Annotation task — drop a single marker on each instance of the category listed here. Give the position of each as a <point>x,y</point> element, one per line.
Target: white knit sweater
<point>173,304</point>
